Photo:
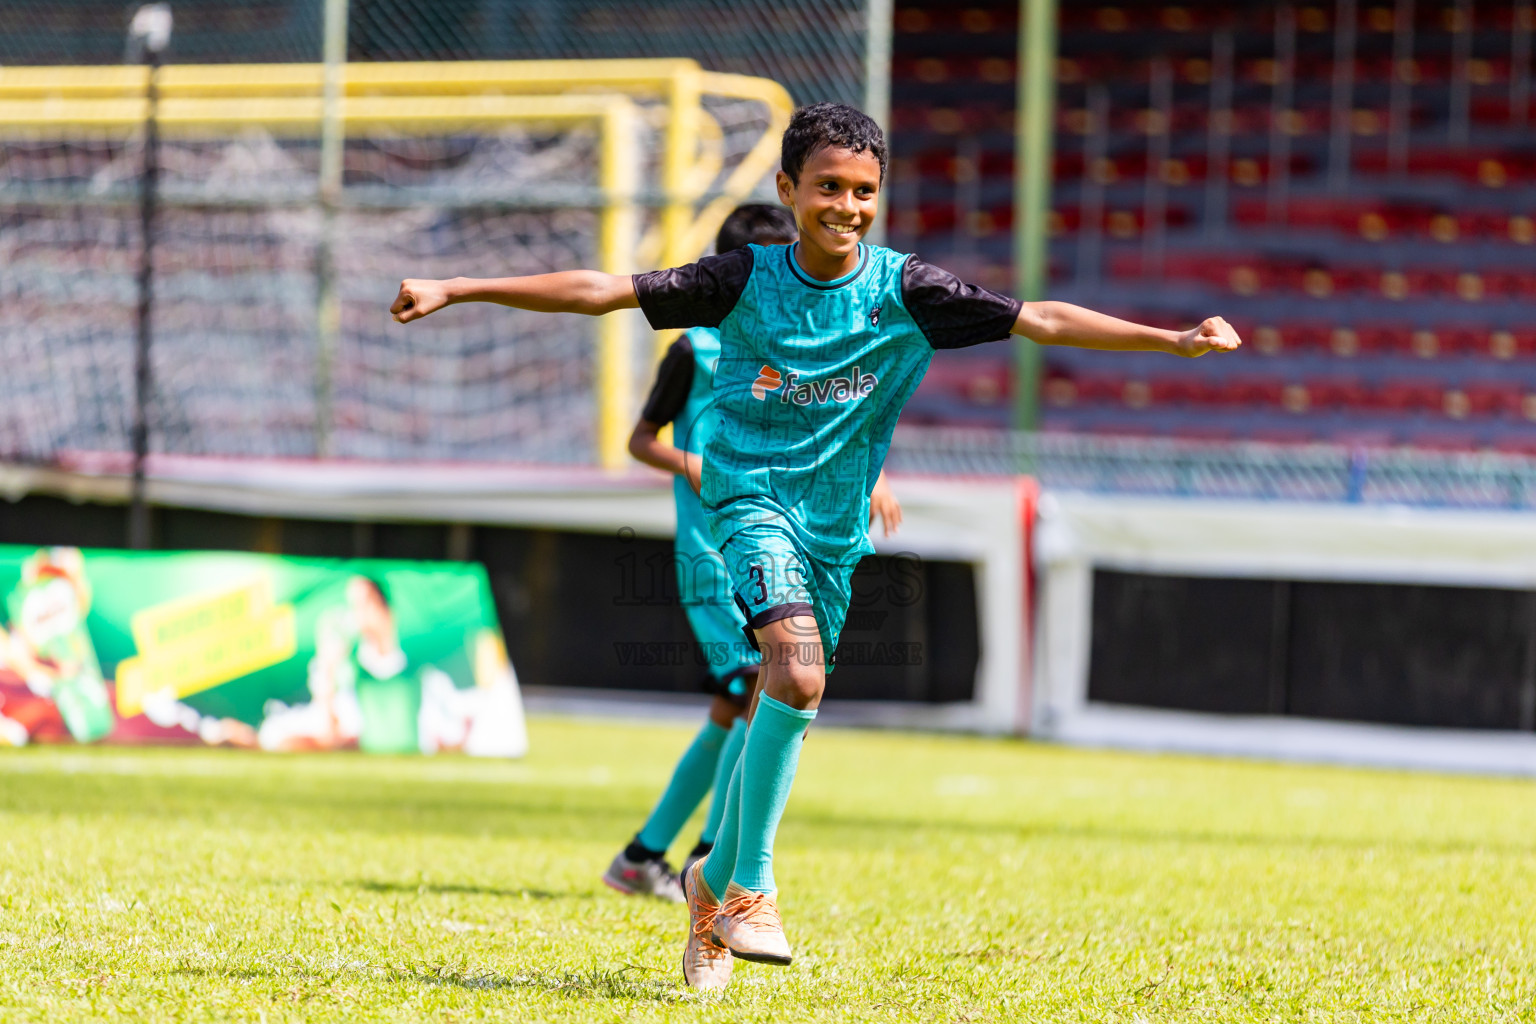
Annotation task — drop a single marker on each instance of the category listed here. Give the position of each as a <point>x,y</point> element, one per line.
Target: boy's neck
<point>822,265</point>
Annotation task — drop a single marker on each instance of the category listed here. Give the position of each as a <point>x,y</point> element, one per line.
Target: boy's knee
<point>797,684</point>
<point>794,661</point>
<point>723,711</point>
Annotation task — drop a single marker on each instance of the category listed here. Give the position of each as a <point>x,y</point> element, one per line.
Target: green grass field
<point>924,879</point>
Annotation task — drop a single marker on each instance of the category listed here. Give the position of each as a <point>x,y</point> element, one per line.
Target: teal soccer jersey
<point>810,380</point>
<point>682,395</point>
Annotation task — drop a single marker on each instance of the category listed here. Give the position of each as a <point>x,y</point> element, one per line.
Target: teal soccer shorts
<point>773,578</point>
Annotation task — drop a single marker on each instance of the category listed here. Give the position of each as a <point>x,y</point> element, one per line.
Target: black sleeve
<point>696,295</point>
<point>951,313</point>
<point>674,379</point>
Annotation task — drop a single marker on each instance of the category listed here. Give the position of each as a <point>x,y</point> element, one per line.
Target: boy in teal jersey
<point>683,396</point>
<point>821,344</point>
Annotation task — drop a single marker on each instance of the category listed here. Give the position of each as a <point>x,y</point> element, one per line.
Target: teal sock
<point>721,862</point>
<point>729,755</point>
<point>691,779</point>
<point>768,770</point>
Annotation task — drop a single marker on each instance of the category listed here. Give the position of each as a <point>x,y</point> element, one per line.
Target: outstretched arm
<point>646,445</point>
<point>570,291</point>
<point>1061,323</point>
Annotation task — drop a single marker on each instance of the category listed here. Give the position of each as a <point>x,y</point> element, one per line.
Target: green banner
<point>252,650</point>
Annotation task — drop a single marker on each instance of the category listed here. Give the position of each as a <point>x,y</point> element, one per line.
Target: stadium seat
<point>1493,398</point>
<point>1190,390</point>
<point>1462,341</point>
<point>1413,285</point>
<point>1251,392</point>
<point>1504,344</point>
<point>1335,393</point>
<point>1407,396</point>
<point>1100,388</point>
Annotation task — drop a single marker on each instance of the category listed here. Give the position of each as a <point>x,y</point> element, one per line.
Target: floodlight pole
<point>1032,187</point>
<point>880,15</point>
<point>332,149</point>
<point>148,34</point>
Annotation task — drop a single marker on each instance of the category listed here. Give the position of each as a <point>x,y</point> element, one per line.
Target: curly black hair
<point>762,223</point>
<point>824,125</point>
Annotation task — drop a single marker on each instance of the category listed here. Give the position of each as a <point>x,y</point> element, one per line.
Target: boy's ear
<point>786,188</point>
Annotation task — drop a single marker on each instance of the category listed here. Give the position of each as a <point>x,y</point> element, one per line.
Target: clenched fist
<point>1213,335</point>
<point>417,298</point>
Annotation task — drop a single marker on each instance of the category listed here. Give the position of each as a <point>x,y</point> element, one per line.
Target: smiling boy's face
<point>834,201</point>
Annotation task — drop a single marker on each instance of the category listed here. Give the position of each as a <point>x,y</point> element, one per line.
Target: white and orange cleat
<point>748,924</point>
<point>706,963</point>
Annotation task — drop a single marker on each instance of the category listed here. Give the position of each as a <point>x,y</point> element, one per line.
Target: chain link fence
<point>1163,467</point>
<point>242,243</point>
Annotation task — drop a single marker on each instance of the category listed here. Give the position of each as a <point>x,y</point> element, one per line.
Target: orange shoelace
<point>756,909</point>
<point>703,930</point>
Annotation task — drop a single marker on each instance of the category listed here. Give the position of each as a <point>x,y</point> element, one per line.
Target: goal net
<point>477,169</point>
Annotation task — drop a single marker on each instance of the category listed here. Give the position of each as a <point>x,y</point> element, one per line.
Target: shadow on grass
<point>464,889</point>
<point>631,981</point>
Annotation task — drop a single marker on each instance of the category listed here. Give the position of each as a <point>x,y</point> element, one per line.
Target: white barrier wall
<point>1077,533</point>
<point>981,521</point>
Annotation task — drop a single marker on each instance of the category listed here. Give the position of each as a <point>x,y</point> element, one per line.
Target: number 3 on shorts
<point>755,574</point>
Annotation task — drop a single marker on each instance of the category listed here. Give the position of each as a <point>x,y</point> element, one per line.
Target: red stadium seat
<point>1507,344</point>
<point>1306,336</point>
<point>1100,388</point>
<point>1462,341</point>
<point>1519,228</point>
<point>1424,282</point>
<point>1408,396</point>
<point>1345,342</point>
<point>1493,398</point>
<point>1252,392</point>
<point>937,217</point>
<point>1420,343</point>
<point>1335,393</point>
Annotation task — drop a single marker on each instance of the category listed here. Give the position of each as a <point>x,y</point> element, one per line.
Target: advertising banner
<point>251,650</point>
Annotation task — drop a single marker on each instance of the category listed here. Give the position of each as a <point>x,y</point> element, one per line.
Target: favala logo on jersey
<point>834,389</point>
<point>768,379</point>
